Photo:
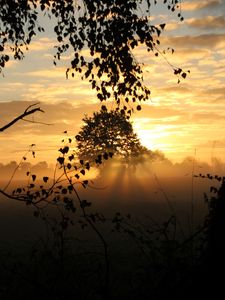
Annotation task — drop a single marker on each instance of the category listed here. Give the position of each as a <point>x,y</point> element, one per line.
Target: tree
<point>107,131</point>
<point>110,30</point>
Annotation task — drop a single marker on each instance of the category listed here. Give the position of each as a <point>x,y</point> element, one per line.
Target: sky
<point>186,119</point>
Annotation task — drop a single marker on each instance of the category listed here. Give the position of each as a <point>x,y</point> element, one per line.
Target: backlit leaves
<point>60,160</point>
<point>110,30</point>
<point>45,179</point>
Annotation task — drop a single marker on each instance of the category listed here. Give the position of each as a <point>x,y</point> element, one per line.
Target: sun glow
<point>156,137</point>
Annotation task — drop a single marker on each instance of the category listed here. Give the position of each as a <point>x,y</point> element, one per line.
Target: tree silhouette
<point>108,131</point>
<point>110,30</point>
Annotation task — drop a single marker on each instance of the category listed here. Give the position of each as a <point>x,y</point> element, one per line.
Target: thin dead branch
<point>28,111</point>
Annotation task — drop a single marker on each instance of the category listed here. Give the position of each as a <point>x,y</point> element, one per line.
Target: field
<point>150,245</point>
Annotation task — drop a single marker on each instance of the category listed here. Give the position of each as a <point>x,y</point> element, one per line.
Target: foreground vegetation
<point>87,255</point>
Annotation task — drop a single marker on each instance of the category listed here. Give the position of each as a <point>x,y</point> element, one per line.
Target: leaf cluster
<point>110,30</point>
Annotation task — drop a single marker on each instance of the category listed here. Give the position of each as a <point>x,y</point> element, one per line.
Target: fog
<point>148,189</point>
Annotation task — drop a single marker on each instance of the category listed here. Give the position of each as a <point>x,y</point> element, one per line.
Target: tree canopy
<point>107,132</point>
<point>109,29</point>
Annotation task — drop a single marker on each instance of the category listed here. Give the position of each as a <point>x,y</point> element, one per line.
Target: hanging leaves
<point>109,30</point>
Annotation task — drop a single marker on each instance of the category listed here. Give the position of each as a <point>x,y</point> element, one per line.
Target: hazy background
<point>157,190</point>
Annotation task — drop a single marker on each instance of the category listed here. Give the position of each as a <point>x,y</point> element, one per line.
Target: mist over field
<point>150,189</point>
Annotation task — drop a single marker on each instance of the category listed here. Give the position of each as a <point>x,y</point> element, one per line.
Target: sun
<point>145,138</point>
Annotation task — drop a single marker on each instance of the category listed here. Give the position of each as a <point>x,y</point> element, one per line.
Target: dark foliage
<point>108,131</point>
<point>110,30</point>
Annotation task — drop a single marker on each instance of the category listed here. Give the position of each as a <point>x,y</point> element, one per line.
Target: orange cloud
<point>191,6</point>
<point>209,22</point>
<point>204,40</point>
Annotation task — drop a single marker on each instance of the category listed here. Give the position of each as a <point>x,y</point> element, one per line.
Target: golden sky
<point>179,119</point>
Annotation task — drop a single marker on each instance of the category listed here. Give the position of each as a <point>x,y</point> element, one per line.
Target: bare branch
<point>27,109</point>
<point>26,113</point>
<point>36,122</point>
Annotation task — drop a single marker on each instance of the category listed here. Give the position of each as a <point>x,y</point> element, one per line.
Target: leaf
<point>59,38</point>
<point>45,179</point>
<point>105,156</point>
<point>64,150</point>
<point>177,71</point>
<point>158,31</point>
<point>60,160</point>
<point>85,203</point>
<point>64,191</point>
<point>70,188</point>
<point>33,177</point>
<point>162,26</point>
<point>104,108</point>
<point>82,172</point>
<point>71,157</point>
<point>78,137</point>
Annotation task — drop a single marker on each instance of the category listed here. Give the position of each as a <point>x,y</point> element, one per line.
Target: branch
<point>26,113</point>
<point>19,198</point>
<point>36,122</point>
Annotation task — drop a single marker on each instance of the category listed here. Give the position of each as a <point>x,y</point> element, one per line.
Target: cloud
<point>48,73</point>
<point>42,44</point>
<point>197,5</point>
<point>207,23</point>
<point>46,85</point>
<point>216,91</point>
<point>201,41</point>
